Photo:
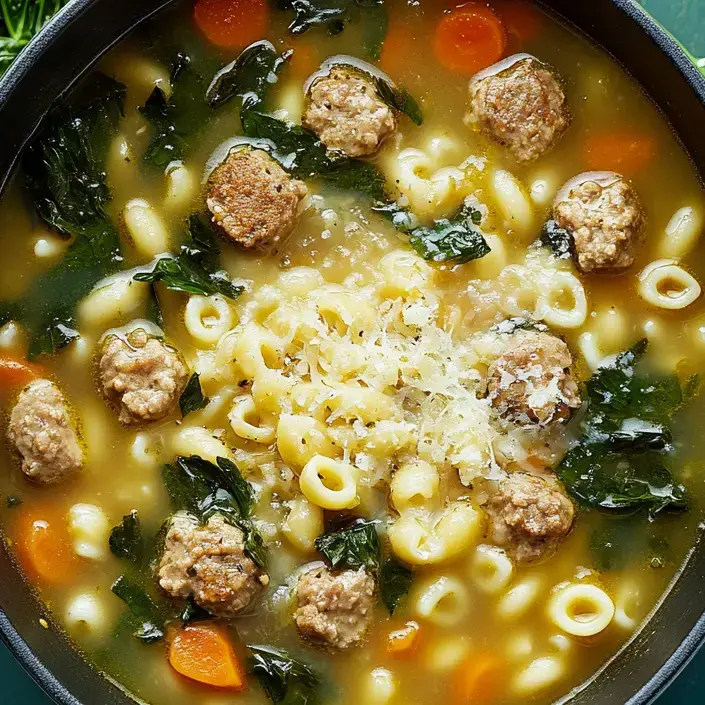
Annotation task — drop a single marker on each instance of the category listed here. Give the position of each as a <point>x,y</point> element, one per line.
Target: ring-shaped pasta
<point>664,284</point>
<point>519,598</point>
<point>514,205</point>
<point>207,319</point>
<point>627,603</point>
<point>146,228</point>
<point>243,409</point>
<point>329,484</point>
<point>300,437</point>
<point>581,609</point>
<point>491,569</point>
<point>518,292</point>
<point>549,306</point>
<point>682,233</point>
<point>303,525</point>
<point>414,485</point>
<point>540,674</point>
<point>444,601</point>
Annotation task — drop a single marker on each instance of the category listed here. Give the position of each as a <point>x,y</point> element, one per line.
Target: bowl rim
<point>667,44</point>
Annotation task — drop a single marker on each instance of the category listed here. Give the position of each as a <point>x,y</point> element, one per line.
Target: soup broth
<point>358,384</point>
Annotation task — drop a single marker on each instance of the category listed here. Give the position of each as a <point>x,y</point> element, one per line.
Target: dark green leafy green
<point>248,77</point>
<point>126,539</point>
<point>191,612</point>
<point>620,541</point>
<point>153,311</point>
<point>558,240</point>
<point>176,119</point>
<point>148,621</point>
<point>192,398</point>
<point>394,583</point>
<point>204,489</point>
<point>620,460</point>
<point>284,679</point>
<point>65,171</point>
<point>196,269</point>
<point>353,546</point>
<point>400,99</point>
<point>21,20</point>
<point>451,240</point>
<point>13,501</point>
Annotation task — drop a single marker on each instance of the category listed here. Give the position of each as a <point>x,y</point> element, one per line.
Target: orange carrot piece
<point>469,39</point>
<point>522,20</point>
<point>397,47</point>
<point>232,24</point>
<point>44,546</point>
<point>478,680</point>
<point>304,61</point>
<point>403,642</point>
<point>203,653</point>
<point>623,151</point>
<point>15,374</point>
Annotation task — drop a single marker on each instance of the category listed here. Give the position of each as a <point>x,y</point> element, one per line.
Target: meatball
<point>345,111</point>
<point>253,200</point>
<point>41,430</point>
<point>209,563</point>
<point>531,383</point>
<point>529,516</point>
<point>142,376</point>
<point>520,104</point>
<point>605,217</point>
<point>334,608</point>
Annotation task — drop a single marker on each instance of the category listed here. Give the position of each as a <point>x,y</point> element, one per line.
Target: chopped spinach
<point>126,539</point>
<point>153,312</point>
<point>248,76</point>
<point>333,15</point>
<point>283,678</point>
<point>353,546</point>
<point>558,239</point>
<point>620,459</point>
<point>65,171</point>
<point>204,489</point>
<point>175,118</point>
<point>13,501</point>
<point>451,240</point>
<point>148,618</point>
<point>192,612</point>
<point>196,269</point>
<point>192,398</point>
<point>394,583</point>
<point>400,99</point>
<point>19,22</point>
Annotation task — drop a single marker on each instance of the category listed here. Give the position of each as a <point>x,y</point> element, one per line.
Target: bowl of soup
<point>351,354</point>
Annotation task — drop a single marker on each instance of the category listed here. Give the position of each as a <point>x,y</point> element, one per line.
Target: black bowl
<point>81,33</point>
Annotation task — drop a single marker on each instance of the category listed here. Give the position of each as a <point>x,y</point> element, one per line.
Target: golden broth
<point>119,475</point>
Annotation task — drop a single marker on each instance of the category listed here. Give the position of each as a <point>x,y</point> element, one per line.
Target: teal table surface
<point>686,20</point>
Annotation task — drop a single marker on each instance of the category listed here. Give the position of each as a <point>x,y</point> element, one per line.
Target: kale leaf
<point>176,118</point>
<point>192,612</point>
<point>153,310</point>
<point>126,539</point>
<point>451,240</point>
<point>283,678</point>
<point>204,489</point>
<point>394,583</point>
<point>619,461</point>
<point>148,617</point>
<point>192,398</point>
<point>400,99</point>
<point>353,546</point>
<point>196,269</point>
<point>558,240</point>
<point>65,171</point>
<point>248,76</point>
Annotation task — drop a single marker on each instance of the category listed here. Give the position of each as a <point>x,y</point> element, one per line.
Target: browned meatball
<point>142,376</point>
<point>253,200</point>
<point>335,608</point>
<point>604,214</point>
<point>531,383</point>
<point>41,430</point>
<point>346,112</point>
<point>209,563</point>
<point>529,516</point>
<point>519,103</point>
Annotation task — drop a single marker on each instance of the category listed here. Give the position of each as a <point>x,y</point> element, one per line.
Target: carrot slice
<point>232,24</point>
<point>623,151</point>
<point>203,653</point>
<point>478,680</point>
<point>43,544</point>
<point>403,642</point>
<point>469,39</point>
<point>522,20</point>
<point>15,374</point>
<point>397,47</point>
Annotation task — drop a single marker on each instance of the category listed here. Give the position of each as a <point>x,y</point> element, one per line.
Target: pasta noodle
<point>519,598</point>
<point>682,233</point>
<point>379,687</point>
<point>514,206</point>
<point>207,319</point>
<point>86,612</point>
<point>329,484</point>
<point>414,485</point>
<point>446,654</point>
<point>444,601</point>
<point>253,429</point>
<point>180,188</point>
<point>538,675</point>
<point>90,529</point>
<point>666,285</point>
<point>197,440</point>
<point>114,300</point>
<point>303,524</point>
<point>301,437</point>
<point>565,288</point>
<point>581,609</point>
<point>147,230</point>
<point>491,569</point>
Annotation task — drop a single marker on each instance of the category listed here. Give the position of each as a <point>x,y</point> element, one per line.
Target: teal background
<point>686,20</point>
